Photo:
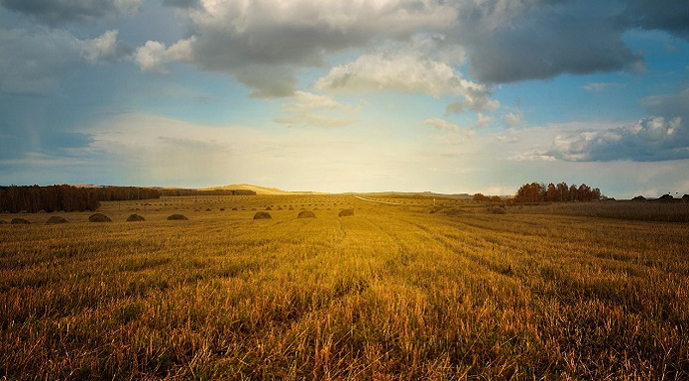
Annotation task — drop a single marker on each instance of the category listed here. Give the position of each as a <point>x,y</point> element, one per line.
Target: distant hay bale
<point>639,199</point>
<point>99,217</point>
<point>56,220</point>
<point>262,216</point>
<point>208,209</point>
<point>279,208</point>
<point>498,210</point>
<point>20,221</point>
<point>177,217</point>
<point>685,198</point>
<point>666,198</point>
<point>235,208</point>
<point>222,209</point>
<point>135,217</point>
<point>346,213</point>
<point>306,214</point>
<point>269,208</point>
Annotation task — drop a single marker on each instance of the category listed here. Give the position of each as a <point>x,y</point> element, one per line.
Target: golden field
<point>394,291</point>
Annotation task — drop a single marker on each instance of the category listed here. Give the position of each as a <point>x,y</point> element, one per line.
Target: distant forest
<point>66,198</point>
<point>561,192</point>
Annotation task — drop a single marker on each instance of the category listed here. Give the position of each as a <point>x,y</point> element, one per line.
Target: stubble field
<point>392,292</point>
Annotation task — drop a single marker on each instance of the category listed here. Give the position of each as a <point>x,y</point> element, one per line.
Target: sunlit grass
<point>393,291</point>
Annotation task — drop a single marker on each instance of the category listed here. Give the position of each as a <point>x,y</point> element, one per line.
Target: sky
<point>448,96</point>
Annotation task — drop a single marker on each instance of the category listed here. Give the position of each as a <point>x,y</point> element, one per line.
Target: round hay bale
<point>177,217</point>
<point>269,208</point>
<point>666,198</point>
<point>222,209</point>
<point>235,208</point>
<point>20,221</point>
<point>639,199</point>
<point>56,220</point>
<point>685,198</point>
<point>306,214</point>
<point>99,217</point>
<point>208,209</point>
<point>262,216</point>
<point>135,217</point>
<point>346,213</point>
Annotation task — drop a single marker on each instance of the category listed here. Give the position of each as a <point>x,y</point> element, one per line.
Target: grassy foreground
<point>391,292</point>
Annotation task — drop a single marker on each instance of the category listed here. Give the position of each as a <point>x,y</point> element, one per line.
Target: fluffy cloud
<point>59,11</point>
<point>155,56</point>
<point>406,73</point>
<point>651,139</point>
<point>252,39</point>
<point>514,119</point>
<point>37,60</point>
<point>104,48</point>
<point>265,43</point>
<point>305,106</point>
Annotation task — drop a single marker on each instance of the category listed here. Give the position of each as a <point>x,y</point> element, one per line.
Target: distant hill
<point>427,194</point>
<point>257,189</point>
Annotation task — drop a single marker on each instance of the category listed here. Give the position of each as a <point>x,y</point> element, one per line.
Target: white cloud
<point>104,48</point>
<point>252,39</point>
<point>155,56</point>
<point>303,110</point>
<point>404,71</point>
<point>651,139</point>
<point>515,119</point>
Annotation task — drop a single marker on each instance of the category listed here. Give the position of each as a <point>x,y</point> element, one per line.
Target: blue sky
<point>410,95</point>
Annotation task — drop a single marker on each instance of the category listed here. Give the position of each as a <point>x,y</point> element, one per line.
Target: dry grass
<point>392,292</point>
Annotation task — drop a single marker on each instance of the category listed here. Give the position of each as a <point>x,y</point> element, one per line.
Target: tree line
<point>561,192</point>
<point>484,198</point>
<point>66,198</point>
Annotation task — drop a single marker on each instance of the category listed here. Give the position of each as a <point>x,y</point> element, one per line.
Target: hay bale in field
<point>306,214</point>
<point>222,209</point>
<point>262,216</point>
<point>20,221</point>
<point>498,210</point>
<point>99,217</point>
<point>269,208</point>
<point>235,208</point>
<point>177,217</point>
<point>666,198</point>
<point>685,198</point>
<point>346,213</point>
<point>279,208</point>
<point>208,209</point>
<point>135,218</point>
<point>56,220</point>
<point>639,199</point>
